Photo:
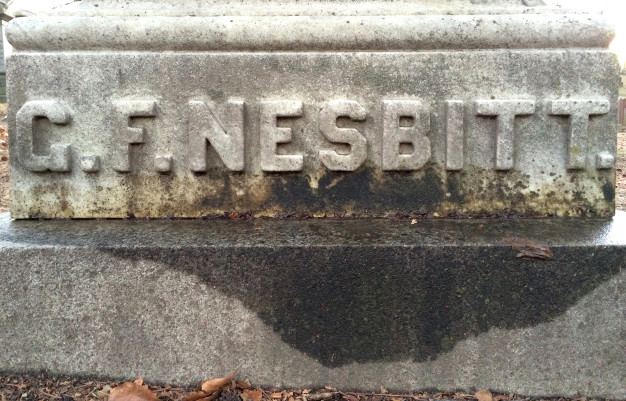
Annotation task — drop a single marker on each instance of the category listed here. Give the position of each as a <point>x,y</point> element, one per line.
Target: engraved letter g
<point>59,158</point>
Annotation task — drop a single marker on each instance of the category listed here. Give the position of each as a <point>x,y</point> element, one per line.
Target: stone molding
<point>313,7</point>
<point>306,33</point>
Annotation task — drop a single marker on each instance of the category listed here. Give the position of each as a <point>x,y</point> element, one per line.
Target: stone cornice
<point>310,33</point>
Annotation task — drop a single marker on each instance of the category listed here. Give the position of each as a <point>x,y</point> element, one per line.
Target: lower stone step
<point>533,307</point>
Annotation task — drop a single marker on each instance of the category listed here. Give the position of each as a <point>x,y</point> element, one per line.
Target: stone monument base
<point>353,303</point>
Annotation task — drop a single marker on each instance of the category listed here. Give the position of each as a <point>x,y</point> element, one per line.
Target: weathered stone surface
<point>530,160</point>
<point>357,304</point>
<point>313,7</point>
<point>160,108</point>
<point>423,108</point>
<point>307,33</point>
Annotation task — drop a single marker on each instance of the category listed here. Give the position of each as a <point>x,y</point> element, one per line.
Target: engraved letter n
<point>59,158</point>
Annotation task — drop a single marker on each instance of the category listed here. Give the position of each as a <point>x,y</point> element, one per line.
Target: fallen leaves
<point>217,384</point>
<point>484,395</point>
<point>252,395</point>
<point>529,249</point>
<point>134,391</point>
<point>4,143</point>
<point>50,389</point>
<point>102,393</point>
<point>319,396</point>
<point>211,389</point>
<point>327,393</point>
<point>198,395</point>
<point>350,397</point>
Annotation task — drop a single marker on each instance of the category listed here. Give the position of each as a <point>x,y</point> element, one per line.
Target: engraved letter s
<point>328,126</point>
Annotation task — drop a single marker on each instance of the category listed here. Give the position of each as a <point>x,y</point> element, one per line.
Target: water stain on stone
<point>609,192</point>
<point>367,303</point>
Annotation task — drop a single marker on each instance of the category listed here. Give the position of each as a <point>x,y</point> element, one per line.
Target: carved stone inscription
<point>414,134</point>
<point>227,139</point>
<point>123,135</point>
<point>578,112</point>
<point>505,112</point>
<point>272,135</point>
<point>404,132</point>
<point>59,158</point>
<point>351,136</point>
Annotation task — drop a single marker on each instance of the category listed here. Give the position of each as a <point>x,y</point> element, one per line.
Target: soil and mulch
<point>620,193</point>
<point>45,388</point>
<point>4,168</point>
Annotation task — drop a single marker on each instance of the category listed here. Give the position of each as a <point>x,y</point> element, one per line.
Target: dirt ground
<point>4,168</point>
<point>620,193</point>
<point>620,197</point>
<point>42,387</point>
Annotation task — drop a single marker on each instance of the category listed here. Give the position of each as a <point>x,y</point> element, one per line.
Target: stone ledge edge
<point>310,33</point>
<point>456,233</point>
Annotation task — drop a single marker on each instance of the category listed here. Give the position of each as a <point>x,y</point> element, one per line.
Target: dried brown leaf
<point>104,392</point>
<point>483,395</point>
<point>320,396</point>
<point>529,249</point>
<point>213,396</point>
<point>253,395</point>
<point>131,392</point>
<point>217,384</point>
<point>243,385</point>
<point>500,397</point>
<point>277,396</point>
<point>195,396</point>
<point>139,381</point>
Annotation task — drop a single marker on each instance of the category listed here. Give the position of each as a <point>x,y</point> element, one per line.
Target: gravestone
<point>463,108</point>
<point>290,110</point>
